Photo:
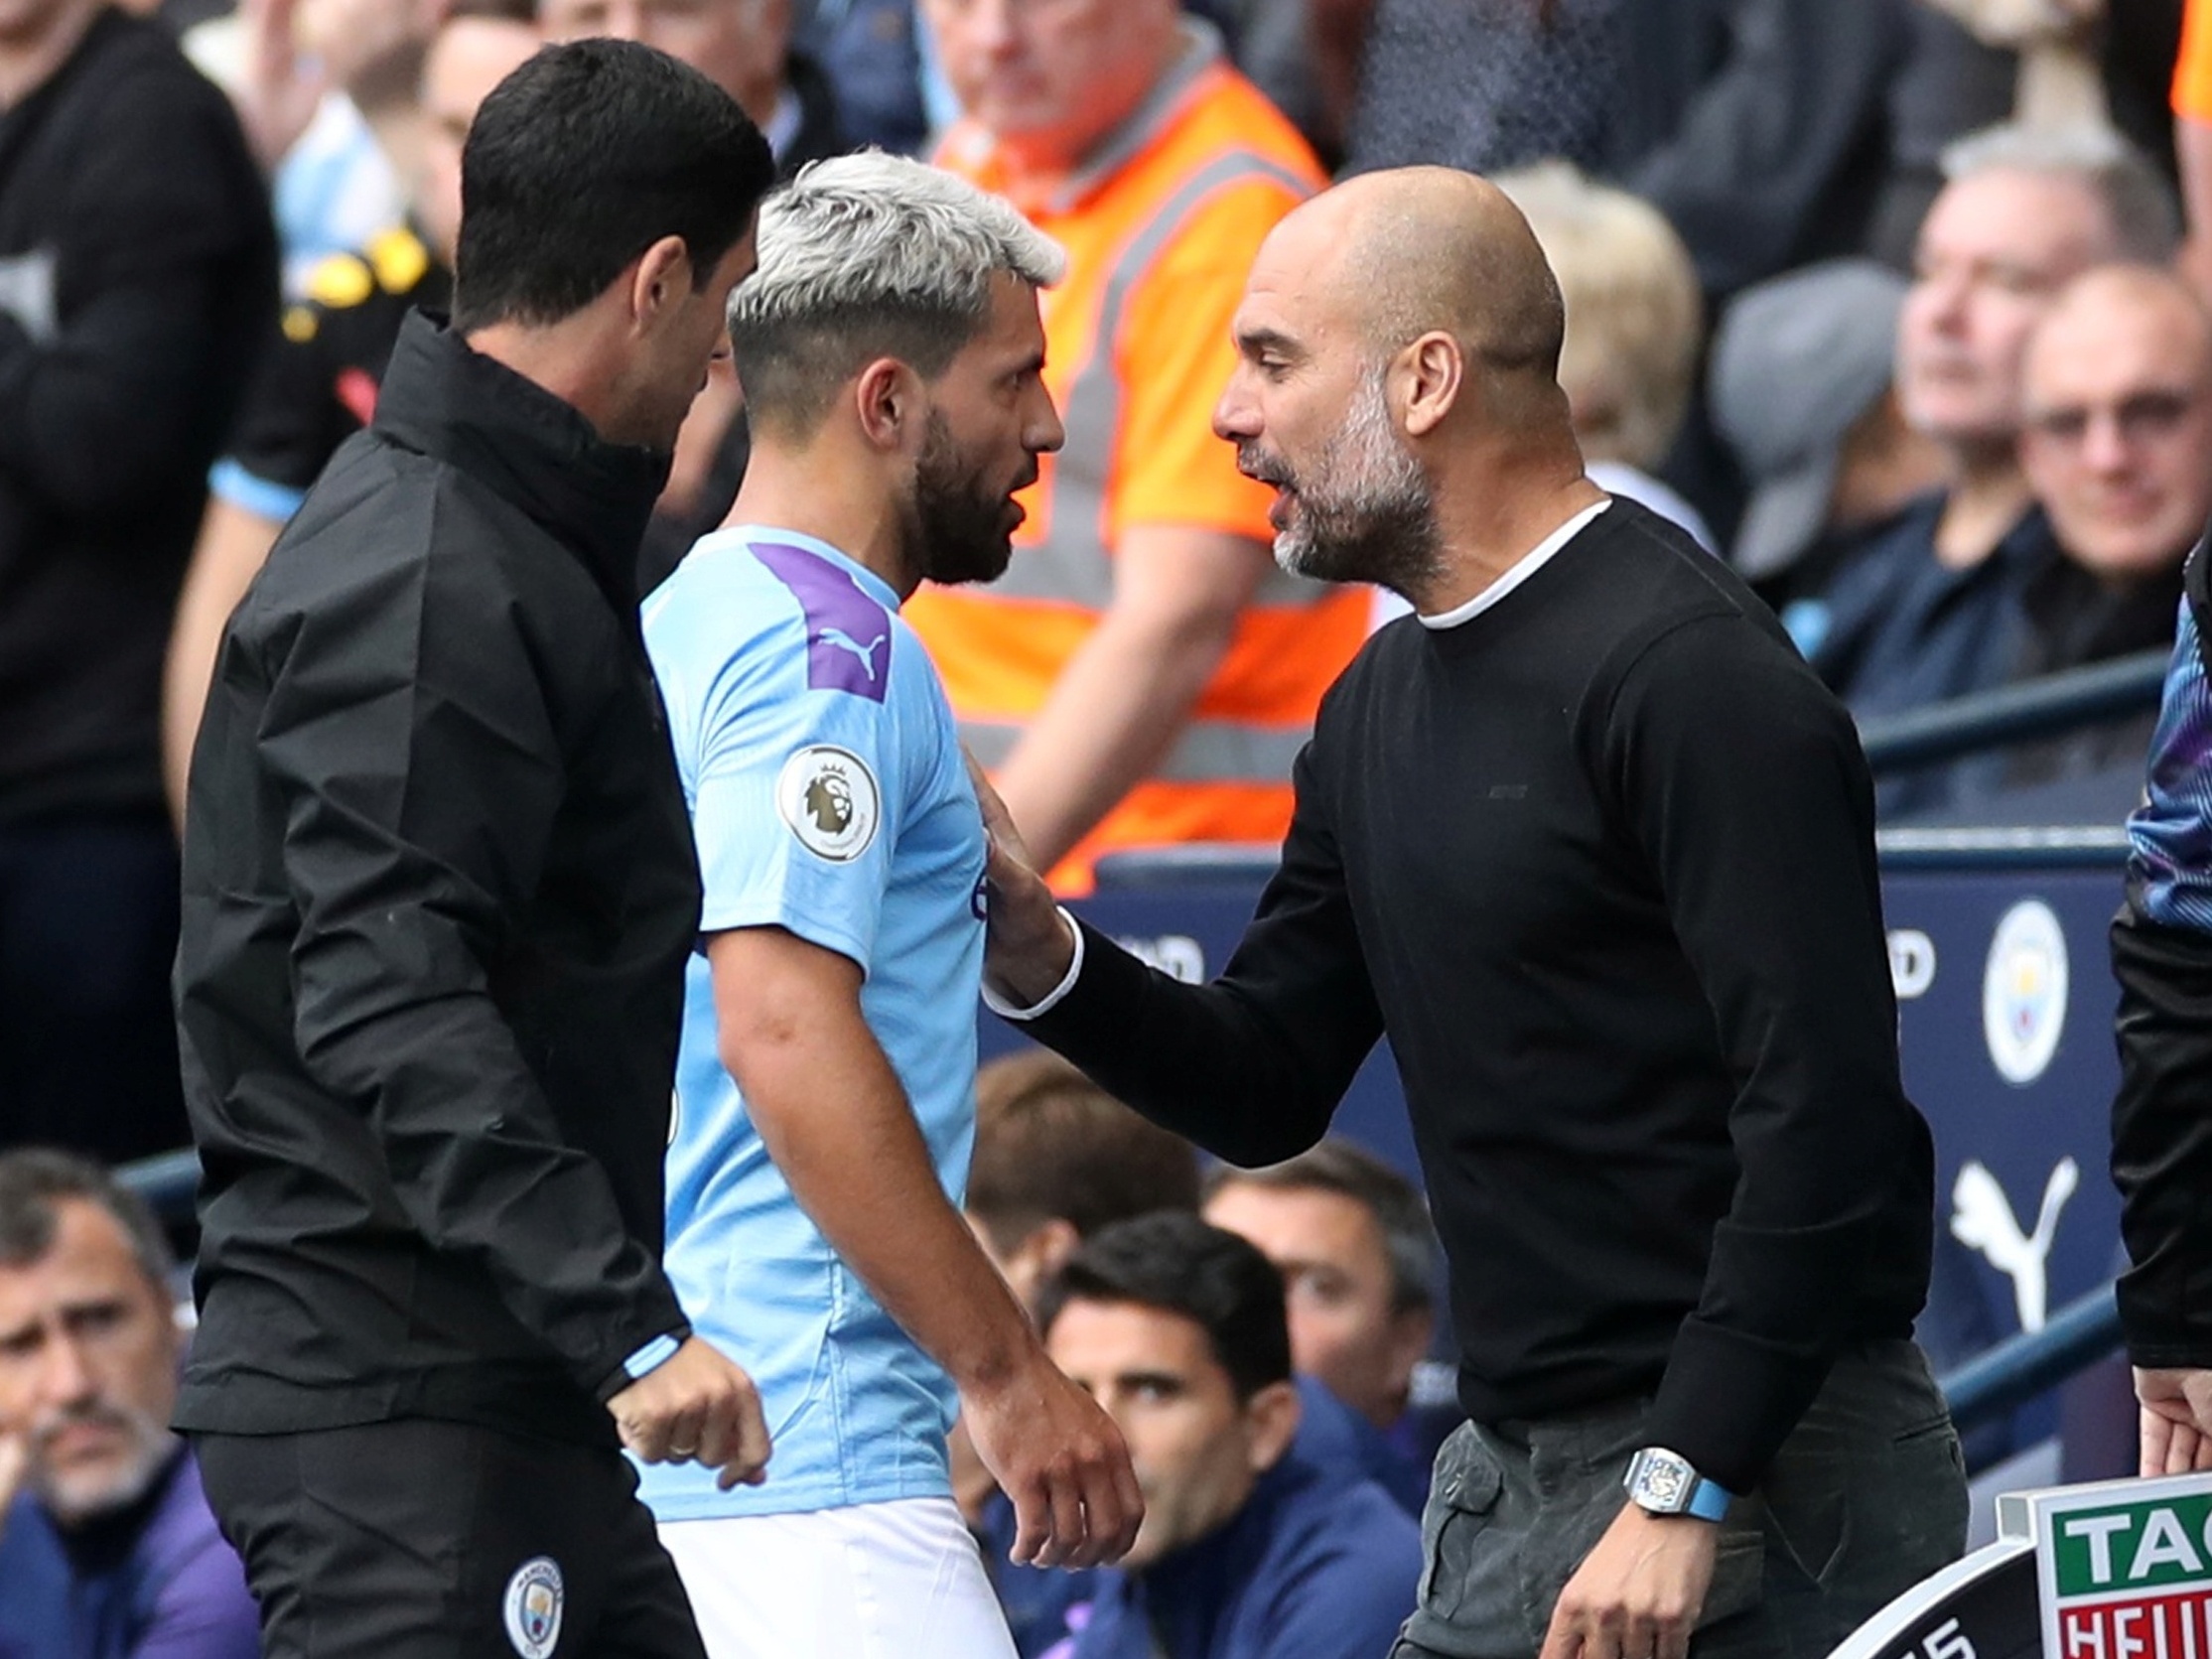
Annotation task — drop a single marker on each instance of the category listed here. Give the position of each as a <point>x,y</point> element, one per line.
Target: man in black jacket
<point>439,892</point>
<point>137,272</point>
<point>1586,838</point>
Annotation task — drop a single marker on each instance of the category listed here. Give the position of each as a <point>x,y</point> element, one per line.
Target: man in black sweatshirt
<point>137,277</point>
<point>1594,847</point>
<point>439,893</point>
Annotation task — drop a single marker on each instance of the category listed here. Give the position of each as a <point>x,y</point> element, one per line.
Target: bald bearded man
<point>1590,843</point>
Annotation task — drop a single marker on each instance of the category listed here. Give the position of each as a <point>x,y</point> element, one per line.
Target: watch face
<point>1660,1482</point>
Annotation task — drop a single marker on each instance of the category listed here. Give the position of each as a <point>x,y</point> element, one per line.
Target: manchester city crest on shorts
<point>533,1608</point>
<point>828,797</point>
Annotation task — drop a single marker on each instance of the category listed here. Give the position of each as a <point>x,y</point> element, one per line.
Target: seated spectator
<point>1801,389</point>
<point>1352,1241</point>
<point>137,281</point>
<point>108,1549</point>
<point>1247,1550</point>
<point>1056,1158</point>
<point>317,385</point>
<point>1933,608</point>
<point>2117,444</point>
<point>1635,324</point>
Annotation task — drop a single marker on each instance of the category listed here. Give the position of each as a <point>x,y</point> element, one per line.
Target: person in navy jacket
<point>1249,1549</point>
<point>108,1549</point>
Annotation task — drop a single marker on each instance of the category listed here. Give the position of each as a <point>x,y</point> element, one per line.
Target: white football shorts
<point>900,1580</point>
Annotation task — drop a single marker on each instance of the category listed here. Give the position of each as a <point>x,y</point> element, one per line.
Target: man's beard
<point>84,1495</point>
<point>960,526</point>
<point>1365,512</point>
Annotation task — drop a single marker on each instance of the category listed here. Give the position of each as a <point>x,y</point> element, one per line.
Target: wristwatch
<point>1664,1483</point>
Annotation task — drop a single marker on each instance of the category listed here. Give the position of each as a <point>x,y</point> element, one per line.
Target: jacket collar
<point>528,446</point>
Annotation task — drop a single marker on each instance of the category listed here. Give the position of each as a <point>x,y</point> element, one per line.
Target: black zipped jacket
<point>439,891</point>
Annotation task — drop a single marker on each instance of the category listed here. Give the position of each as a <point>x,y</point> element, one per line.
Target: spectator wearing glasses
<point>2116,434</point>
<point>2116,440</point>
<point>1933,608</point>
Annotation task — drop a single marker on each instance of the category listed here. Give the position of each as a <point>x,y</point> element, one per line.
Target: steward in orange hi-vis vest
<point>1161,224</point>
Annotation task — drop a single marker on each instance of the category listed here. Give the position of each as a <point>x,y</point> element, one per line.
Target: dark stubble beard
<point>1364,511</point>
<point>959,527</point>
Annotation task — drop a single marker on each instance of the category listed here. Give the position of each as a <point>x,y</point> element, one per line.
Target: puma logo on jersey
<point>846,643</point>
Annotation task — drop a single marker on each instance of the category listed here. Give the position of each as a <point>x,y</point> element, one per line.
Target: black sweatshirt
<point>1600,861</point>
<point>137,281</point>
<point>439,892</point>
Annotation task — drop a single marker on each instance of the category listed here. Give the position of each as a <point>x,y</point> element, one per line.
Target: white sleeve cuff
<point>1052,999</point>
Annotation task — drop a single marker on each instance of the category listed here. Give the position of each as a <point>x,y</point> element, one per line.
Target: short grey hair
<point>35,1182</point>
<point>2145,222</point>
<point>866,256</point>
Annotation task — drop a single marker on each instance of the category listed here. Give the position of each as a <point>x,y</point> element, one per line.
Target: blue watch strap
<point>1708,1501</point>
<point>653,1354</point>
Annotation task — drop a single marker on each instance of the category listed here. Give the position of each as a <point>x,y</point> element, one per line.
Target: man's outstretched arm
<point>1250,1067</point>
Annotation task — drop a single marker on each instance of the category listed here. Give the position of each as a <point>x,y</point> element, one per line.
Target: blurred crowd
<point>1899,306</point>
<point>1896,306</point>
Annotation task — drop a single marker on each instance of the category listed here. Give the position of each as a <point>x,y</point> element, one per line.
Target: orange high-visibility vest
<point>2193,68</point>
<point>1161,228</point>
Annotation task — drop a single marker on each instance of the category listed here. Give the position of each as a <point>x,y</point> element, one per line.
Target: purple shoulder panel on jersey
<point>848,633</point>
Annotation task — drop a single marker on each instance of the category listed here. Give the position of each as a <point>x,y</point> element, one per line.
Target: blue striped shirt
<point>2170,853</point>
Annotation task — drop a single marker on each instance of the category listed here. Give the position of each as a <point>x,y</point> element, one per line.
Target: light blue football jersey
<point>828,796</point>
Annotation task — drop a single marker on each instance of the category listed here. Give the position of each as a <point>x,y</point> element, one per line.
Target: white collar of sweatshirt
<point>1526,566</point>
